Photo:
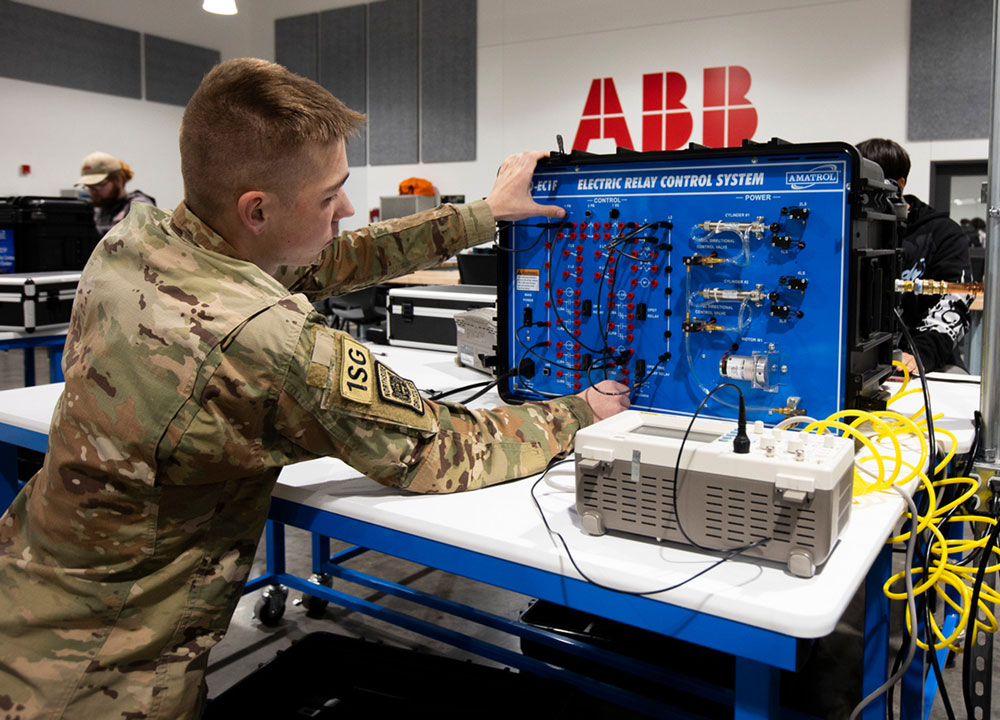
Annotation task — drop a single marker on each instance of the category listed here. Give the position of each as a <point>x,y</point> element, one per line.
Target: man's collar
<point>193,229</point>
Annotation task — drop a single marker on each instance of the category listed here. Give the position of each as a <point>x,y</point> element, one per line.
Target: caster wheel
<point>271,605</point>
<point>315,606</point>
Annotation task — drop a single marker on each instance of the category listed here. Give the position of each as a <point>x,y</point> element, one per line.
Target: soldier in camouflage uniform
<point>195,369</point>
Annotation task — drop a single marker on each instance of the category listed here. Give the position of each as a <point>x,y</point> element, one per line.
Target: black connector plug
<point>741,443</point>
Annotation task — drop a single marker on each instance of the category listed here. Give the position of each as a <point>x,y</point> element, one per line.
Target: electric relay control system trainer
<point>768,266</point>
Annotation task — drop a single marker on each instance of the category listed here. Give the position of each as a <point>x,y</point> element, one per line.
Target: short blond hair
<point>245,128</point>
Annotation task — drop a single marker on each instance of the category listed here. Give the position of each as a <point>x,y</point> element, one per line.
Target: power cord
<point>729,555</point>
<point>741,445</point>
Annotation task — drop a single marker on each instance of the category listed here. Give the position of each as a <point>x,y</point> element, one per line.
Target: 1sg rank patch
<point>392,388</point>
<point>356,375</point>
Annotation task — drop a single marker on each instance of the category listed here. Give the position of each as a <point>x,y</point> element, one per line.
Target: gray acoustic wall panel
<point>393,91</point>
<point>950,55</point>
<point>296,44</point>
<point>343,66</point>
<point>448,80</point>
<point>175,69</point>
<point>56,49</point>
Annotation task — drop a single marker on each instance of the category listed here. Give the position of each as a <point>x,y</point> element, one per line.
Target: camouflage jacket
<point>192,377</point>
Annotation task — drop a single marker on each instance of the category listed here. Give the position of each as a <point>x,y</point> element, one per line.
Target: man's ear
<point>253,210</point>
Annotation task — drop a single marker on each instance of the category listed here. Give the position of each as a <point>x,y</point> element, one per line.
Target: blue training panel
<point>673,275</point>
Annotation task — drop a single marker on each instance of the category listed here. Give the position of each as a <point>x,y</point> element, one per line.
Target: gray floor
<point>826,688</point>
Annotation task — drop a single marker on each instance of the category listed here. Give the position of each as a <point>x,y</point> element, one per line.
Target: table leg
<point>55,363</point>
<point>320,552</point>
<point>756,690</point>
<point>275,541</point>
<point>29,366</point>
<point>876,639</point>
<point>8,475</point>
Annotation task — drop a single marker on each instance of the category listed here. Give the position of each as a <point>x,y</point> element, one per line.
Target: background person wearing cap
<point>104,177</point>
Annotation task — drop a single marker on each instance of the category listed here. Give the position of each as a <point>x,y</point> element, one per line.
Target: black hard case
<point>424,316</point>
<point>36,301</point>
<point>50,233</point>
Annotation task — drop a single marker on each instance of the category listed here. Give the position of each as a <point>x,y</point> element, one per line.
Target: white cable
<point>793,420</point>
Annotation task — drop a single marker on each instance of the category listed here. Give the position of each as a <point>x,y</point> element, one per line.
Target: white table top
<point>502,521</point>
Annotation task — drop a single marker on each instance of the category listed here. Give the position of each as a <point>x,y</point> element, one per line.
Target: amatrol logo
<point>727,115</point>
<point>822,175</point>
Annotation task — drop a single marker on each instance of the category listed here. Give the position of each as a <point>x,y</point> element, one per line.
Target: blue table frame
<point>28,342</point>
<point>759,654</point>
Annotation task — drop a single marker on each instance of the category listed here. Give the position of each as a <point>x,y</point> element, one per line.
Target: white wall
<point>821,69</point>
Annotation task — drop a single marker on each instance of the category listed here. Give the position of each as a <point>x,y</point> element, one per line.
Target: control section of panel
<point>674,274</point>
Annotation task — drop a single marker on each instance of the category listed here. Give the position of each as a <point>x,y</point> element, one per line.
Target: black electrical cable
<point>729,554</point>
<point>919,604</point>
<point>974,611</point>
<point>932,450</point>
<point>560,323</point>
<point>932,461</point>
<point>638,384</point>
<point>602,328</point>
<point>445,393</point>
<point>483,391</point>
<point>935,663</point>
<point>603,354</point>
<point>970,460</point>
<point>957,380</point>
<point>744,444</point>
<point>544,226</point>
<point>531,350</point>
<point>484,387</point>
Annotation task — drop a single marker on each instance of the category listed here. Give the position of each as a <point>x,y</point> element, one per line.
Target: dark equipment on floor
<point>332,676</point>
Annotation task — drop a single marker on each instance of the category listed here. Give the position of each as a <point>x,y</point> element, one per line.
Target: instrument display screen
<point>675,433</point>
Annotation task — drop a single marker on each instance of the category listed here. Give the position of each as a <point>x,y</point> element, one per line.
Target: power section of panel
<point>768,266</point>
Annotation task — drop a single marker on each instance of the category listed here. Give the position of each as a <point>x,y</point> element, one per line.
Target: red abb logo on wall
<point>727,116</point>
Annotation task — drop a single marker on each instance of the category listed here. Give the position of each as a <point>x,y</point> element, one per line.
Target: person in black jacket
<point>934,248</point>
<point>104,177</point>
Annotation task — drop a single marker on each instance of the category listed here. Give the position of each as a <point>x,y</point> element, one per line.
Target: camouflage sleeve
<point>338,400</point>
<point>388,249</point>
